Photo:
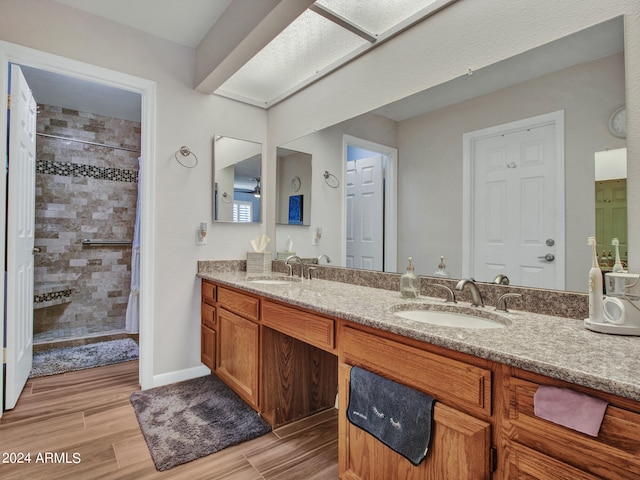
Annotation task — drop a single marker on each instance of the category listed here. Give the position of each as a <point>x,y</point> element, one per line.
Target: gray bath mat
<point>69,359</point>
<point>191,419</point>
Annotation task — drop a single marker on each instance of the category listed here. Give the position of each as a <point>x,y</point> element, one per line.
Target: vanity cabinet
<point>540,449</point>
<point>208,325</point>
<point>237,361</point>
<point>462,422</point>
<point>299,363</point>
<point>288,362</point>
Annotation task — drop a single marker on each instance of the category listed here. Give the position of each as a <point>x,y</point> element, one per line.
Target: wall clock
<point>618,122</point>
<point>295,184</point>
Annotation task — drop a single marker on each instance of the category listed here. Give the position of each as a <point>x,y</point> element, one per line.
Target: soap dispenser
<point>409,282</point>
<point>442,270</point>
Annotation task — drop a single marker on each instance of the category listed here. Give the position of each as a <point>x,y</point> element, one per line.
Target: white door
<point>365,213</point>
<point>20,236</point>
<point>516,218</point>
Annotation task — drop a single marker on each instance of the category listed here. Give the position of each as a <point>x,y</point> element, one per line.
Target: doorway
<point>513,200</point>
<point>370,198</point>
<point>10,53</point>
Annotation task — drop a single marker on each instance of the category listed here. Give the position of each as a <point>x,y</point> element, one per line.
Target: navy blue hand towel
<point>395,414</point>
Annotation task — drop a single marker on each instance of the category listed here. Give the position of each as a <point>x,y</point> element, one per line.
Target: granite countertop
<point>561,348</point>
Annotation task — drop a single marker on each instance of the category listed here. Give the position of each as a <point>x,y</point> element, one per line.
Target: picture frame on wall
<point>295,209</point>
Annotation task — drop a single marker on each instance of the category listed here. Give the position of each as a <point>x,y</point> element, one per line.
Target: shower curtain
<point>132,319</point>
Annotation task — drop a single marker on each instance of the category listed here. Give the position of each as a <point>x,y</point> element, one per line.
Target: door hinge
<point>8,101</point>
<point>493,459</point>
<point>4,355</point>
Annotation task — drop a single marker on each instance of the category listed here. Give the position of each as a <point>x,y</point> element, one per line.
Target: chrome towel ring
<point>186,152</point>
<point>331,180</point>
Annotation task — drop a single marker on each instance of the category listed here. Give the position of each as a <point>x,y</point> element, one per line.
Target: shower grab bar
<point>106,243</point>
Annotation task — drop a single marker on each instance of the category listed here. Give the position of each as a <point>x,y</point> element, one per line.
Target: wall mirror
<point>293,187</point>
<point>236,178</point>
<point>580,76</point>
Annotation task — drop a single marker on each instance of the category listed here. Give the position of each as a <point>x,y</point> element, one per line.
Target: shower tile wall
<point>83,191</point>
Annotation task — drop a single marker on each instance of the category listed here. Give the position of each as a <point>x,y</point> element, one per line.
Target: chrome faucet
<point>501,304</point>
<point>299,260</point>
<point>476,297</point>
<point>325,257</point>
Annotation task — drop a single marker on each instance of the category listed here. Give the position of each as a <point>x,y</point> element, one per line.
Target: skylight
<point>326,36</point>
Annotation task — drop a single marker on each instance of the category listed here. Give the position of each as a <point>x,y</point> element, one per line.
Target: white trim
<point>11,53</point>
<point>390,199</point>
<point>180,375</point>
<point>468,139</point>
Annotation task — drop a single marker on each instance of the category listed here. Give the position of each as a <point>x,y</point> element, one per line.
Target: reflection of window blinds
<point>242,211</point>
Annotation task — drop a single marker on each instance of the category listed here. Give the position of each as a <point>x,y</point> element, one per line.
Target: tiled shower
<point>86,189</point>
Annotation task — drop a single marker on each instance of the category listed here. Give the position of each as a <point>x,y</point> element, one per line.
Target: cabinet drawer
<point>614,453</point>
<point>531,465</point>
<point>449,381</point>
<point>308,327</point>
<point>209,316</point>
<point>240,303</point>
<point>208,292</point>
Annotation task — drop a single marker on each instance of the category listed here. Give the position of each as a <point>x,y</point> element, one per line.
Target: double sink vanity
<point>286,345</point>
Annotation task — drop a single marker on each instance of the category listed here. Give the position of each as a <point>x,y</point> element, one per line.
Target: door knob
<point>549,257</point>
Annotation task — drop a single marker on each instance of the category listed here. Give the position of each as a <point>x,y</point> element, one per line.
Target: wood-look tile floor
<point>81,425</point>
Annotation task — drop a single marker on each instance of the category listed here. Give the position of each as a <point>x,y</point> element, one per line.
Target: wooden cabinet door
<point>460,447</point>
<point>238,354</point>
<point>208,347</point>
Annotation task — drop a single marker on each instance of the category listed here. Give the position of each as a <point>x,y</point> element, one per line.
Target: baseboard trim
<point>180,375</point>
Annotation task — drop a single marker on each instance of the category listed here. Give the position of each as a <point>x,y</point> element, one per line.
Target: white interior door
<point>517,223</point>
<point>20,236</point>
<point>365,213</point>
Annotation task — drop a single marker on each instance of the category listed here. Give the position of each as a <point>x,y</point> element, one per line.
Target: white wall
<point>183,196</point>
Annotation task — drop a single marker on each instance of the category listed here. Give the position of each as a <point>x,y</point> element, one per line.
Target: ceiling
<point>187,22</point>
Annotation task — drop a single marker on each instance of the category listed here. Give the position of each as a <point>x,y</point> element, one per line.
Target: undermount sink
<point>451,316</point>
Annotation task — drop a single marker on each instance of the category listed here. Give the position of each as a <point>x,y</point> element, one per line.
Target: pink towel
<point>568,408</point>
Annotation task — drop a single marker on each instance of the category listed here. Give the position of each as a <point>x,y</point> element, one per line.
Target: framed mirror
<point>582,76</point>
<point>293,187</point>
<point>237,166</point>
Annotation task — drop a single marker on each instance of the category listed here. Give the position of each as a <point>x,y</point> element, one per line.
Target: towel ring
<point>331,180</point>
<point>185,152</point>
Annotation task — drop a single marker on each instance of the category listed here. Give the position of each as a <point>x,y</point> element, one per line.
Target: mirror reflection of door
<point>365,210</point>
<point>370,194</point>
<point>516,220</point>
<point>611,205</point>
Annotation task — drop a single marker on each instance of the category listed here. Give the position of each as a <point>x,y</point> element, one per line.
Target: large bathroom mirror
<point>577,81</point>
<point>293,187</point>
<point>237,168</point>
